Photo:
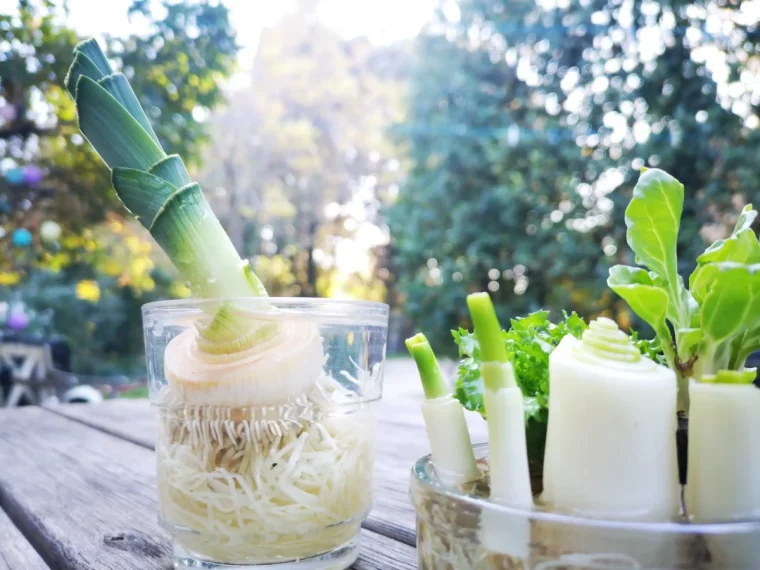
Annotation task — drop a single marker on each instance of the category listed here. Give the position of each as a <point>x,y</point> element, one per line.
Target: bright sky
<point>380,21</point>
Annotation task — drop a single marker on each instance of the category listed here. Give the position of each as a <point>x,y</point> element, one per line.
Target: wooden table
<point>77,488</point>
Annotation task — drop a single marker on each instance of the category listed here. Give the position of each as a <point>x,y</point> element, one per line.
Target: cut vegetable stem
<point>487,328</point>
<point>507,449</point>
<point>450,445</point>
<point>504,407</point>
<point>430,373</point>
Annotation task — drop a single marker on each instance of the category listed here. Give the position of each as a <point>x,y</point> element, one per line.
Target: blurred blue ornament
<point>18,320</point>
<point>32,175</point>
<point>8,113</point>
<point>15,176</point>
<point>50,231</point>
<point>22,237</point>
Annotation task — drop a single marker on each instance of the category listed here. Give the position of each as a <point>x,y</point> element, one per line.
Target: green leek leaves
<point>155,187</point>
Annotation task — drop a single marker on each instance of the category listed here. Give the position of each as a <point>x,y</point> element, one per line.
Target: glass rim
<point>194,302</point>
<point>422,477</point>
<point>362,313</point>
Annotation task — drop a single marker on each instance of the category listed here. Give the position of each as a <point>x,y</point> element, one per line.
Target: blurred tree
<point>300,158</point>
<point>528,123</point>
<point>90,291</point>
<point>47,172</point>
<point>176,71</point>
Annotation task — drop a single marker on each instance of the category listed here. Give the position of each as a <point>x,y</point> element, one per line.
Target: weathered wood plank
<point>128,419</point>
<point>401,440</point>
<point>383,553</point>
<point>87,498</point>
<point>15,551</point>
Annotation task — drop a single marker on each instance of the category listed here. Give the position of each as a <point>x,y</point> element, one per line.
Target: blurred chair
<point>27,364</point>
<point>33,378</point>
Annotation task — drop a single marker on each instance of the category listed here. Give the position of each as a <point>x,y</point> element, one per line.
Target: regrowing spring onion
<point>449,439</point>
<point>503,400</point>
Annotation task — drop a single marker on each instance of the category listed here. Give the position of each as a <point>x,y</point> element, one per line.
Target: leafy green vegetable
<point>653,218</point>
<point>529,342</point>
<point>649,347</point>
<point>649,300</point>
<point>711,328</point>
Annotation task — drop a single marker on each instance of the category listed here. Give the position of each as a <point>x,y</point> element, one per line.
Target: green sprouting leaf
<point>539,318</point>
<point>746,219</point>
<point>744,376</point>
<point>116,135</point>
<point>467,343</point>
<point>652,218</point>
<point>92,50</point>
<point>647,299</point>
<point>82,65</point>
<point>688,339</point>
<point>731,302</point>
<point>141,192</point>
<point>745,345</point>
<point>469,387</point>
<point>173,170</point>
<point>118,86</point>
<point>650,348</point>
<point>741,247</point>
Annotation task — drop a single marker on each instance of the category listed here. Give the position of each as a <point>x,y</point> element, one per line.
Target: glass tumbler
<point>265,444</point>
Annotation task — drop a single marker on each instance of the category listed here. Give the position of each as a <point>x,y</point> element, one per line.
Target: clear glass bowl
<point>460,529</point>
<point>271,466</point>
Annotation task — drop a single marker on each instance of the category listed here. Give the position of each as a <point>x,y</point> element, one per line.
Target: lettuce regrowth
<point>707,330</point>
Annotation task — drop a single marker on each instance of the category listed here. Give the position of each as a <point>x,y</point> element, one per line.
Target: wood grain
<point>15,551</point>
<point>87,498</point>
<point>401,440</point>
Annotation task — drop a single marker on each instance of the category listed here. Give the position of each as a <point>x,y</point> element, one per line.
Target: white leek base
<point>507,448</point>
<point>723,479</point>
<point>266,374</point>
<point>449,439</point>
<point>610,447</point>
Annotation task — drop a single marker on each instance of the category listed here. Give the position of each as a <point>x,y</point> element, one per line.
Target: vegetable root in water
<point>450,445</point>
<point>258,484</point>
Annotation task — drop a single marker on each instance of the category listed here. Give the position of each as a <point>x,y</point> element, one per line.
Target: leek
<point>155,187</point>
<point>503,401</point>
<point>208,365</point>
<point>450,445</point>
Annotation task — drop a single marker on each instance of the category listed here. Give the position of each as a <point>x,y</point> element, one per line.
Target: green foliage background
<point>84,288</point>
<point>528,123</point>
